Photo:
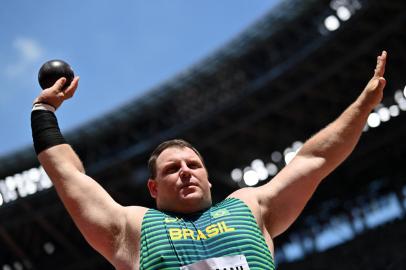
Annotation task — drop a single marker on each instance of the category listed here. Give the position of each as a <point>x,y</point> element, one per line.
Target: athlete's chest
<point>215,224</point>
<point>222,231</point>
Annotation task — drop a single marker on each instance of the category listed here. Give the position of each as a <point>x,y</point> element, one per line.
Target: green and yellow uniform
<point>170,241</point>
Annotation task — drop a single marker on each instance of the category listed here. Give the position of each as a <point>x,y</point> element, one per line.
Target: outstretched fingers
<point>380,65</point>
<point>375,86</point>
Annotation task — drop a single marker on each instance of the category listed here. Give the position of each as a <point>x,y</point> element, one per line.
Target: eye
<point>171,169</point>
<point>194,165</point>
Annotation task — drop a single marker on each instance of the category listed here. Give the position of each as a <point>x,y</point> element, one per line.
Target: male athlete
<point>186,231</point>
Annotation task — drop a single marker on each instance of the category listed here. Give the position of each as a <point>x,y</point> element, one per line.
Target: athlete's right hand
<point>55,94</point>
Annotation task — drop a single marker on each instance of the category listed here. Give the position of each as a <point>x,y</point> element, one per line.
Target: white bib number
<point>237,262</point>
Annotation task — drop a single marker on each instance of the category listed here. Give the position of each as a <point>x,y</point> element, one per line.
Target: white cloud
<point>28,51</point>
<point>29,48</point>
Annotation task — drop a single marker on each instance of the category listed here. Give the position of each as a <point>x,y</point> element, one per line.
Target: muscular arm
<point>99,218</point>
<point>104,223</point>
<point>284,197</point>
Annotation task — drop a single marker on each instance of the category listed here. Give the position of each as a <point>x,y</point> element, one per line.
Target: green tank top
<point>169,240</point>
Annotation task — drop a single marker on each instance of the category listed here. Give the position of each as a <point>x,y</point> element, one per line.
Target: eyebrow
<point>171,161</point>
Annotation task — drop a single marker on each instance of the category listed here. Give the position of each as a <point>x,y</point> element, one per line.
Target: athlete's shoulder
<point>248,196</point>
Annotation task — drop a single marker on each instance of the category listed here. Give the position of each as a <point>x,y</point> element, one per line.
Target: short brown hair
<point>177,143</point>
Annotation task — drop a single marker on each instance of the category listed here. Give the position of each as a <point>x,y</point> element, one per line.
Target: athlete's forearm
<point>335,142</point>
<point>49,143</point>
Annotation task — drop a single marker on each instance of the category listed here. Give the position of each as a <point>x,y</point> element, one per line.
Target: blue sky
<point>120,50</point>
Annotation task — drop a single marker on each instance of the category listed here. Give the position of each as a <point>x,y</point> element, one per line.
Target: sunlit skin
<point>181,184</point>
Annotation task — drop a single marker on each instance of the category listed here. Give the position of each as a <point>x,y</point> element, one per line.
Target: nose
<point>184,172</point>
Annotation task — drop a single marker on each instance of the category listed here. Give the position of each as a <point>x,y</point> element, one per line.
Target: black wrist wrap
<point>45,130</point>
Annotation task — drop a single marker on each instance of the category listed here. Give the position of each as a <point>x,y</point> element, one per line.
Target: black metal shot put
<point>53,70</point>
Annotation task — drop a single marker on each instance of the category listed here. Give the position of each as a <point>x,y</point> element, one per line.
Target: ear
<point>209,184</point>
<point>152,186</point>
